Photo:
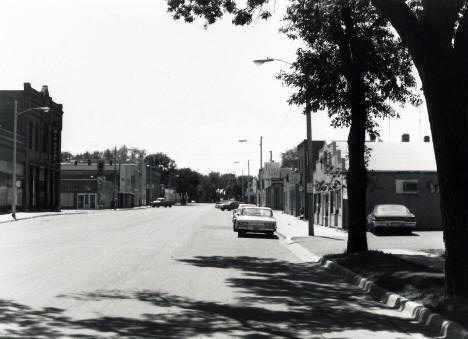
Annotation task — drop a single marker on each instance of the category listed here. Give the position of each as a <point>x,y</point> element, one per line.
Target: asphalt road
<point>173,273</point>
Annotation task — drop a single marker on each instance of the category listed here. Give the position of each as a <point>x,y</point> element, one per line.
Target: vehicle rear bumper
<point>395,224</point>
<point>255,228</point>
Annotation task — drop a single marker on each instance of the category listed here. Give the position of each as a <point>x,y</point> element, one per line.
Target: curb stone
<point>421,314</point>
<point>42,215</point>
<point>72,213</point>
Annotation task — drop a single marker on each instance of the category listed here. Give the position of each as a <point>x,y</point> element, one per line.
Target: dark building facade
<point>39,135</point>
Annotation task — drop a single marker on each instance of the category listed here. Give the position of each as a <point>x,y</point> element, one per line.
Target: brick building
<point>39,136</point>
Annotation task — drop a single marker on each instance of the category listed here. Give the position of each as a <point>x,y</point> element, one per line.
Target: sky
<point>127,73</point>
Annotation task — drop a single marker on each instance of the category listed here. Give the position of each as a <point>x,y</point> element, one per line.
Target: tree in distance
<point>166,165</point>
<point>290,158</point>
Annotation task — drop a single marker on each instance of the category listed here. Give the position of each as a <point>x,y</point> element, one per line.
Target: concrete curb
<point>41,216</point>
<point>421,314</point>
<point>73,213</point>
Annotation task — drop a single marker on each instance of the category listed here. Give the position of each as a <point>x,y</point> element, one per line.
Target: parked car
<point>255,219</point>
<point>230,205</point>
<point>391,216</point>
<point>237,211</point>
<point>219,204</point>
<point>160,202</point>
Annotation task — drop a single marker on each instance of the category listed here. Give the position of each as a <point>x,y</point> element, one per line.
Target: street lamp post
<point>261,149</point>
<point>308,200</point>
<point>16,114</point>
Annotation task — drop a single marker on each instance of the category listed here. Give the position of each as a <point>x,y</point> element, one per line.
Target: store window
<point>406,186</point>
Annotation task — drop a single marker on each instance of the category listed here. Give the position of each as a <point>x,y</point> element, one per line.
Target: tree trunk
<point>440,57</point>
<point>356,180</point>
<point>447,107</point>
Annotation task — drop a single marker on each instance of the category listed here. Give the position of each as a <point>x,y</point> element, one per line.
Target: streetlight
<point>308,210</point>
<point>16,114</point>
<point>260,144</point>
<point>262,61</point>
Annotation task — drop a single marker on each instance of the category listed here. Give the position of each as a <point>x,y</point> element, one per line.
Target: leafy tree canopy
<point>345,41</point>
<point>290,158</point>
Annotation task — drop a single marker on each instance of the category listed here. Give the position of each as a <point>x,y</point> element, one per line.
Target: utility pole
<point>15,197</point>
<point>242,185</point>
<point>261,152</point>
<point>309,197</point>
<point>115,177</point>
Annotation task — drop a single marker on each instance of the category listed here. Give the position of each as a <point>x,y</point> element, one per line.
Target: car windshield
<point>257,212</point>
<point>391,209</point>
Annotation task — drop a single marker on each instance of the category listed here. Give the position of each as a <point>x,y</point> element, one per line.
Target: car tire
<point>222,209</point>
<point>240,234</point>
<point>270,234</point>
<point>170,206</point>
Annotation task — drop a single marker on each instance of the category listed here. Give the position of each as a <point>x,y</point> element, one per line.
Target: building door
<point>86,201</point>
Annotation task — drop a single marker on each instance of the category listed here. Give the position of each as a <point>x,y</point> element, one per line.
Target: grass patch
<point>417,278</point>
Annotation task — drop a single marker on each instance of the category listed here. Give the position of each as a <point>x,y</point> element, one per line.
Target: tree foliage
<point>187,182</point>
<point>345,40</point>
<point>166,165</point>
<point>290,158</point>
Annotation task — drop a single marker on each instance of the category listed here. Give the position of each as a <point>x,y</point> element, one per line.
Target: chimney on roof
<point>89,162</point>
<point>405,137</point>
<point>75,162</point>
<point>372,137</point>
<point>427,138</point>
<point>27,85</point>
<point>44,89</point>
<point>271,156</point>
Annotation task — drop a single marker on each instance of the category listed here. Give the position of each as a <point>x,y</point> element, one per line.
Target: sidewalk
<point>329,240</point>
<point>4,218</point>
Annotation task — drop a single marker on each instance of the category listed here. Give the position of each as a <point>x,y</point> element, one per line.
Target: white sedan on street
<point>255,219</point>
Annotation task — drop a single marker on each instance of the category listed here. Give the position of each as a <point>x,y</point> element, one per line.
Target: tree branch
<point>406,24</point>
<point>461,42</point>
<point>439,20</point>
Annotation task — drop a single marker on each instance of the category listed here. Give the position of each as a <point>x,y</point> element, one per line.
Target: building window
<point>31,135</point>
<point>408,186</point>
<point>36,146</point>
<point>45,139</point>
<point>66,200</point>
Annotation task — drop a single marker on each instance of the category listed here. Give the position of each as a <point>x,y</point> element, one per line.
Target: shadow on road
<point>278,300</point>
<point>259,236</point>
<point>393,232</point>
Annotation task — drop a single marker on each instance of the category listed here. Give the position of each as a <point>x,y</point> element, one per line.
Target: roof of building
<point>397,156</point>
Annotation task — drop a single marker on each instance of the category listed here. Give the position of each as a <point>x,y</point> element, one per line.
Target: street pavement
<point>177,272</point>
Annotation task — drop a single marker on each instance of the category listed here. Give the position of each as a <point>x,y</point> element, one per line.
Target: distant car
<point>255,219</point>
<point>161,202</point>
<point>230,205</point>
<point>237,211</point>
<point>390,216</point>
<point>219,204</point>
